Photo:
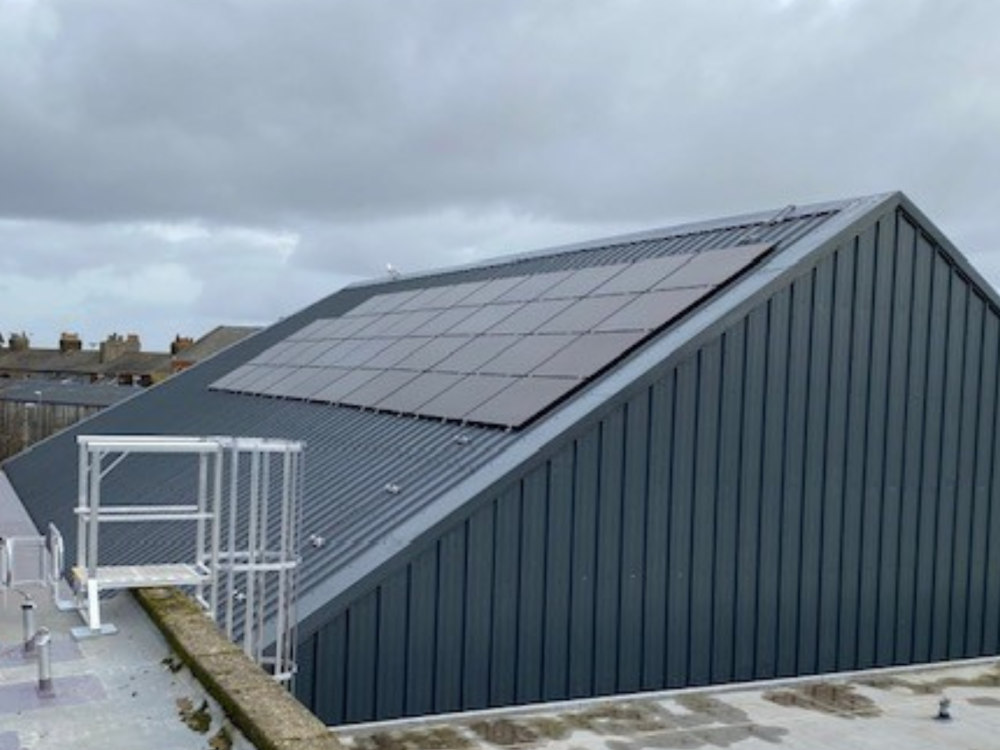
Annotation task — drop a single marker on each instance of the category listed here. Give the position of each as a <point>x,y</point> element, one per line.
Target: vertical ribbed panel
<point>811,490</point>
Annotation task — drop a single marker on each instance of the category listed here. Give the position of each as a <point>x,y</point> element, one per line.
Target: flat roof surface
<point>877,709</point>
<point>117,692</point>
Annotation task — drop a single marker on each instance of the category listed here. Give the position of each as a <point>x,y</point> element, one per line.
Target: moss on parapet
<point>264,711</point>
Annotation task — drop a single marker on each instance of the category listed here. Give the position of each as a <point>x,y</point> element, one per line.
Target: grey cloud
<point>431,132</point>
<point>270,112</point>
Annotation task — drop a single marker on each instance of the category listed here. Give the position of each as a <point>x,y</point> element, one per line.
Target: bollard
<point>43,644</point>
<point>28,623</point>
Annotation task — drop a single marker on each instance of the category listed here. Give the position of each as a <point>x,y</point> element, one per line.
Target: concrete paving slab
<point>118,692</point>
<point>872,710</point>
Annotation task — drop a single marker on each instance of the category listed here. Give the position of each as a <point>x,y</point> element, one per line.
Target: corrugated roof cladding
<point>352,454</point>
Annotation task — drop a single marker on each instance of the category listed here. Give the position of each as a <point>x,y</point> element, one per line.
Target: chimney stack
<point>181,343</point>
<point>19,342</point>
<point>115,346</point>
<point>69,342</point>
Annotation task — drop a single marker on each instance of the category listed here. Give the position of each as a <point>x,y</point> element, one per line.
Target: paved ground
<point>119,692</point>
<point>879,710</point>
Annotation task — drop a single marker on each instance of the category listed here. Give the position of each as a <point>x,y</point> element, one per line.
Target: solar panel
<point>397,351</point>
<point>231,379</point>
<point>651,310</point>
<point>582,315</point>
<point>533,287</point>
<point>531,316</point>
<point>474,354</point>
<point>311,332</point>
<point>378,387</point>
<point>363,352</point>
<point>347,381</point>
<point>713,267</point>
<point>271,376</point>
<point>424,300</point>
<point>291,385</point>
<point>419,391</point>
<point>458,294</point>
<point>464,396</point>
<point>332,353</point>
<point>642,275</point>
<point>494,352</point>
<point>583,282</point>
<point>526,354</point>
<point>404,324</point>
<point>432,352</point>
<point>249,375</point>
<point>444,321</point>
<point>483,319</point>
<point>382,303</point>
<point>521,400</point>
<point>275,353</point>
<point>587,354</point>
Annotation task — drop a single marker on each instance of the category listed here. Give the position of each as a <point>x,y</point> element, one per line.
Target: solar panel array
<point>497,352</point>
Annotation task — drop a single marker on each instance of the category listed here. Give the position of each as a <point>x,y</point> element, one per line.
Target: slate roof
<point>353,454</point>
<point>71,394</point>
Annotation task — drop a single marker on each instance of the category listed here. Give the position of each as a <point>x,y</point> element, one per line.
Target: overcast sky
<point>167,167</point>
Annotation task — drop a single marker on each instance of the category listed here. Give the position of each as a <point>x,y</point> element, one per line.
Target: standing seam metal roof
<point>352,454</point>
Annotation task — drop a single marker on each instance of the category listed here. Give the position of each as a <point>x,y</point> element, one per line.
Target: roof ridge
<point>675,231</point>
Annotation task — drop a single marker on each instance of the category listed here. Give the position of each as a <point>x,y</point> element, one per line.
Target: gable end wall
<point>810,491</point>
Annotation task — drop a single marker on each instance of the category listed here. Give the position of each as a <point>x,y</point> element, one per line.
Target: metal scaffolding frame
<point>245,561</point>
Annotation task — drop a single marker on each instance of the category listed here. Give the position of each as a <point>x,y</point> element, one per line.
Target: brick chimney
<point>115,346</point>
<point>19,342</point>
<point>181,343</point>
<point>70,342</point>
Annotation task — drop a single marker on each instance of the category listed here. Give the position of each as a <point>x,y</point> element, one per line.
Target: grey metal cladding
<point>810,489</point>
<point>353,453</point>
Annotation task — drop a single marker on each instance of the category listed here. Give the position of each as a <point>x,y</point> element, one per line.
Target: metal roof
<point>354,454</point>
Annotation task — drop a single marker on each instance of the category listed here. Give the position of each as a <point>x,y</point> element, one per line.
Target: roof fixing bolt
<point>392,489</point>
<point>944,709</point>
